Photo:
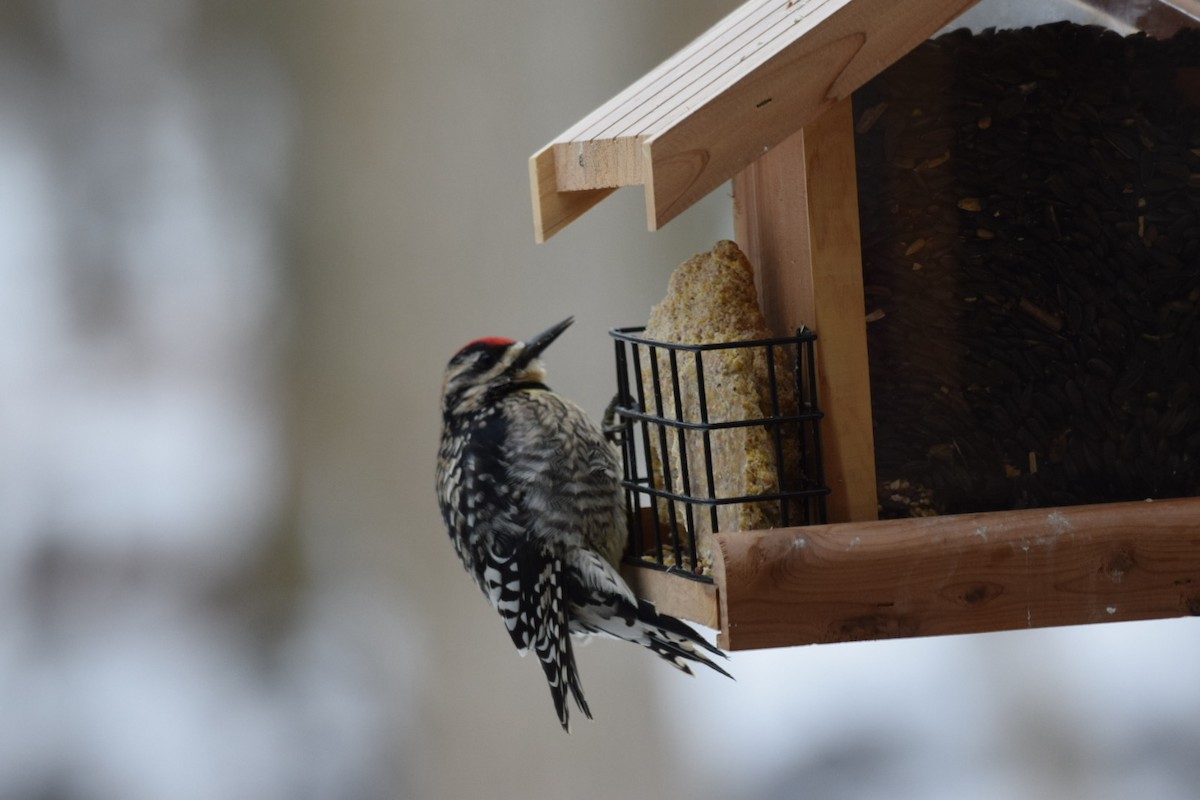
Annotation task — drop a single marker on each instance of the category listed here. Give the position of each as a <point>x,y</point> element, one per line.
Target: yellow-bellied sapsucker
<point>529,488</point>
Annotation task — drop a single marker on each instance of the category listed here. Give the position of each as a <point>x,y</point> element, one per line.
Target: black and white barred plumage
<point>530,491</point>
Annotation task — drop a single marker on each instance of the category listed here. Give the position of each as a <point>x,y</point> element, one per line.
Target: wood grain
<point>796,217</point>
<point>766,70</point>
<point>675,594</point>
<point>554,210</point>
<point>959,574</point>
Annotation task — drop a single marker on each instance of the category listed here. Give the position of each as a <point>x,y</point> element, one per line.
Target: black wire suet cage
<point>672,422</point>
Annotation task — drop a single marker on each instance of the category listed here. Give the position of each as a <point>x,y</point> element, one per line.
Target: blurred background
<point>238,243</point>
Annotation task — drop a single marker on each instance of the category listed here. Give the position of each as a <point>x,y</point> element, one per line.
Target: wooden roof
<point>753,79</point>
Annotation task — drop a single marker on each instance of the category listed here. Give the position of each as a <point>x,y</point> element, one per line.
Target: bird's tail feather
<point>669,638</point>
<point>552,643</point>
<point>674,640</point>
<point>602,603</point>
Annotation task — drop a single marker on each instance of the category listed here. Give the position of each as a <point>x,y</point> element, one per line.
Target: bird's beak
<point>537,344</point>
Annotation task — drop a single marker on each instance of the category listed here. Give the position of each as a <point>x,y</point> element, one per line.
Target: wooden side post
<point>796,218</point>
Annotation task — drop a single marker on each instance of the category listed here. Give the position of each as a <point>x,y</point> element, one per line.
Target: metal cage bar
<point>679,487</point>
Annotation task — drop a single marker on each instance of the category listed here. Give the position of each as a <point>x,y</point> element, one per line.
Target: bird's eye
<point>487,359</point>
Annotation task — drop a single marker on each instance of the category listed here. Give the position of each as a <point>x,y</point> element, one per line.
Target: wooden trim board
<point>674,594</point>
<point>763,72</point>
<point>554,210</point>
<point>968,573</point>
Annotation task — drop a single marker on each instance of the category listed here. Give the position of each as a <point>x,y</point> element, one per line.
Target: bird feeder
<point>996,237</point>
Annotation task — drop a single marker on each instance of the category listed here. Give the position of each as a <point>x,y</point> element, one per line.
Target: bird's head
<point>491,364</point>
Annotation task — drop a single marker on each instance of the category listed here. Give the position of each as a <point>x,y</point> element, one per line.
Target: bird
<point>530,490</point>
